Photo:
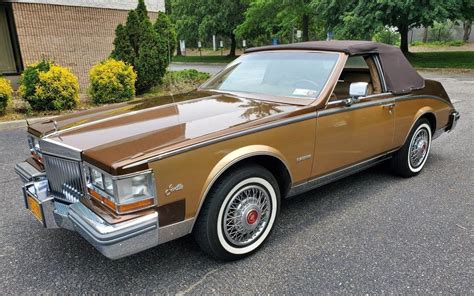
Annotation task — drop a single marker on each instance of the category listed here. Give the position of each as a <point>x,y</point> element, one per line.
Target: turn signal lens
<point>136,205</point>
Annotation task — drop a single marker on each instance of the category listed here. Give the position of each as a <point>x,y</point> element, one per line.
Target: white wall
<point>152,5</point>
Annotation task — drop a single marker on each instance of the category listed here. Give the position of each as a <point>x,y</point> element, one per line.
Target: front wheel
<point>411,158</point>
<point>238,214</point>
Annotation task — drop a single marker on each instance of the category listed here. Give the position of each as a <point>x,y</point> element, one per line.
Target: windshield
<point>288,74</point>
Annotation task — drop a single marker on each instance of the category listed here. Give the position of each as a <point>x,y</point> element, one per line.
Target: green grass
<point>440,59</point>
<point>203,59</point>
<point>443,59</point>
<point>436,44</point>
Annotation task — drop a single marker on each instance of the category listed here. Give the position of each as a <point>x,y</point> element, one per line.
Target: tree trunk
<point>178,49</point>
<point>425,34</point>
<point>467,25</point>
<point>305,24</point>
<point>403,30</point>
<point>233,45</point>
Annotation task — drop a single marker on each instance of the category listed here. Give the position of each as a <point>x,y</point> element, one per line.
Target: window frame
<point>14,40</point>
<point>381,75</point>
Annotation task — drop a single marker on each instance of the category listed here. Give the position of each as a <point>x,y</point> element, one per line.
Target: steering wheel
<point>298,84</point>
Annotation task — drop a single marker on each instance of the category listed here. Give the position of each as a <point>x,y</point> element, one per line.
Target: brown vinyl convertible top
<point>399,75</point>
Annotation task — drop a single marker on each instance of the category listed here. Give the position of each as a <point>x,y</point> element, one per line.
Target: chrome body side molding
<point>334,176</point>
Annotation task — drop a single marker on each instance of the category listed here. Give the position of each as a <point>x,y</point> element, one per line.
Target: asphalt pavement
<point>370,233</point>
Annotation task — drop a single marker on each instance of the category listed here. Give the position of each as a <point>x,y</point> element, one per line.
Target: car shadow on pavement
<point>67,251</point>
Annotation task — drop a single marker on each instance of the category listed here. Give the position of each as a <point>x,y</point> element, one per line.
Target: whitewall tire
<point>412,156</point>
<point>239,213</point>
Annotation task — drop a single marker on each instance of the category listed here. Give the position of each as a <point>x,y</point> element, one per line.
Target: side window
<point>357,69</point>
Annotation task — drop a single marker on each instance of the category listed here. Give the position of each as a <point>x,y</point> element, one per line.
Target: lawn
<point>443,59</point>
<point>440,59</point>
<point>203,59</point>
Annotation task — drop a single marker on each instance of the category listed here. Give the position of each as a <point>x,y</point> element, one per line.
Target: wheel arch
<point>265,156</point>
<point>427,113</point>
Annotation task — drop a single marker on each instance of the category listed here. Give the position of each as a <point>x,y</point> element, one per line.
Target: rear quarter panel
<point>410,108</point>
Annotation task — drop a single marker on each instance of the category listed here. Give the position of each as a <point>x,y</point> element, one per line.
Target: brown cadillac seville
<point>215,162</point>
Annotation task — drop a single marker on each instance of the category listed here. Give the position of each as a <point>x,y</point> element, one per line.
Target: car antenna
<point>172,97</point>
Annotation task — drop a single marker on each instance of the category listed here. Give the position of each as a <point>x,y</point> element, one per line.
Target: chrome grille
<point>65,178</point>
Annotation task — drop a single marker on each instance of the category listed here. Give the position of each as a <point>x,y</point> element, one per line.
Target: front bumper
<point>112,240</point>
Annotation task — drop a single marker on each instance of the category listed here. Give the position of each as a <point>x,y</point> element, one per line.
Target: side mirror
<point>358,89</point>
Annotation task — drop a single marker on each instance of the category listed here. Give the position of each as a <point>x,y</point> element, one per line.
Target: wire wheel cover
<point>419,148</point>
<point>246,215</point>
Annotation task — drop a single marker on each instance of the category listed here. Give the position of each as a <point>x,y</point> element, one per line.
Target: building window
<point>9,53</point>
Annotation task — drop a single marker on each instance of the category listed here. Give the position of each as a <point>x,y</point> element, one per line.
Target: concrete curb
<point>21,123</point>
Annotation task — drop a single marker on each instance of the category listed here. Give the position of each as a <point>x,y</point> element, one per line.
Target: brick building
<point>74,33</point>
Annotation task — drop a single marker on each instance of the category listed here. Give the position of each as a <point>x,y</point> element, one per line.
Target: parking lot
<point>369,233</point>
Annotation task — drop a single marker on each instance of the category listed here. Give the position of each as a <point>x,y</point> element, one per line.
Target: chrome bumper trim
<point>453,120</point>
<point>46,203</point>
<point>27,172</point>
<point>115,240</point>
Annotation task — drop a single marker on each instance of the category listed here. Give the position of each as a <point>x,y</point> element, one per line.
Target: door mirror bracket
<point>349,101</point>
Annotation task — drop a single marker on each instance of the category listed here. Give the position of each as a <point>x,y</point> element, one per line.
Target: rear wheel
<point>239,213</point>
<point>411,158</point>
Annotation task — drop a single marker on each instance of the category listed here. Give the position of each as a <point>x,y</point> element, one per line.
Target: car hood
<point>114,136</point>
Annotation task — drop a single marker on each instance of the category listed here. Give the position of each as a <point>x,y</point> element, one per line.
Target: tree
<point>222,18</point>
<point>201,19</point>
<point>123,49</point>
<point>152,60</point>
<point>278,18</point>
<point>168,7</point>
<point>165,27</point>
<point>138,44</point>
<point>403,15</point>
<point>466,15</point>
<point>186,21</point>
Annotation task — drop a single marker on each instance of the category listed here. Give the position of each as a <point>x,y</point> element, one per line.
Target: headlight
<point>33,143</point>
<point>123,194</point>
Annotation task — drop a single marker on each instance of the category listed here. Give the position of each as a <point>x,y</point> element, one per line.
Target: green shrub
<point>30,79</point>
<point>112,81</point>
<point>6,92</point>
<point>46,86</point>
<point>184,79</point>
<point>440,31</point>
<point>387,36</point>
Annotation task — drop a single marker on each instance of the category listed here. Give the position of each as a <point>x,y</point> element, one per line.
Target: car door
<point>348,134</point>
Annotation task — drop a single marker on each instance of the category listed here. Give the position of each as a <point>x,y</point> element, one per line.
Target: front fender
<point>235,157</point>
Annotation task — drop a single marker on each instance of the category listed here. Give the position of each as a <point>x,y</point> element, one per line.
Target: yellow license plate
<point>35,208</point>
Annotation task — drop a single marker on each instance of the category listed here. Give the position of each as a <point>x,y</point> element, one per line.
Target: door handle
<point>389,106</point>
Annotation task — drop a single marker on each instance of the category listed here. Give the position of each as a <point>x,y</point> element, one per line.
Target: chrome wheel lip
<point>238,232</point>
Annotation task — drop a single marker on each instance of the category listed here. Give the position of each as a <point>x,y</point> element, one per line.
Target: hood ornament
<point>55,123</point>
